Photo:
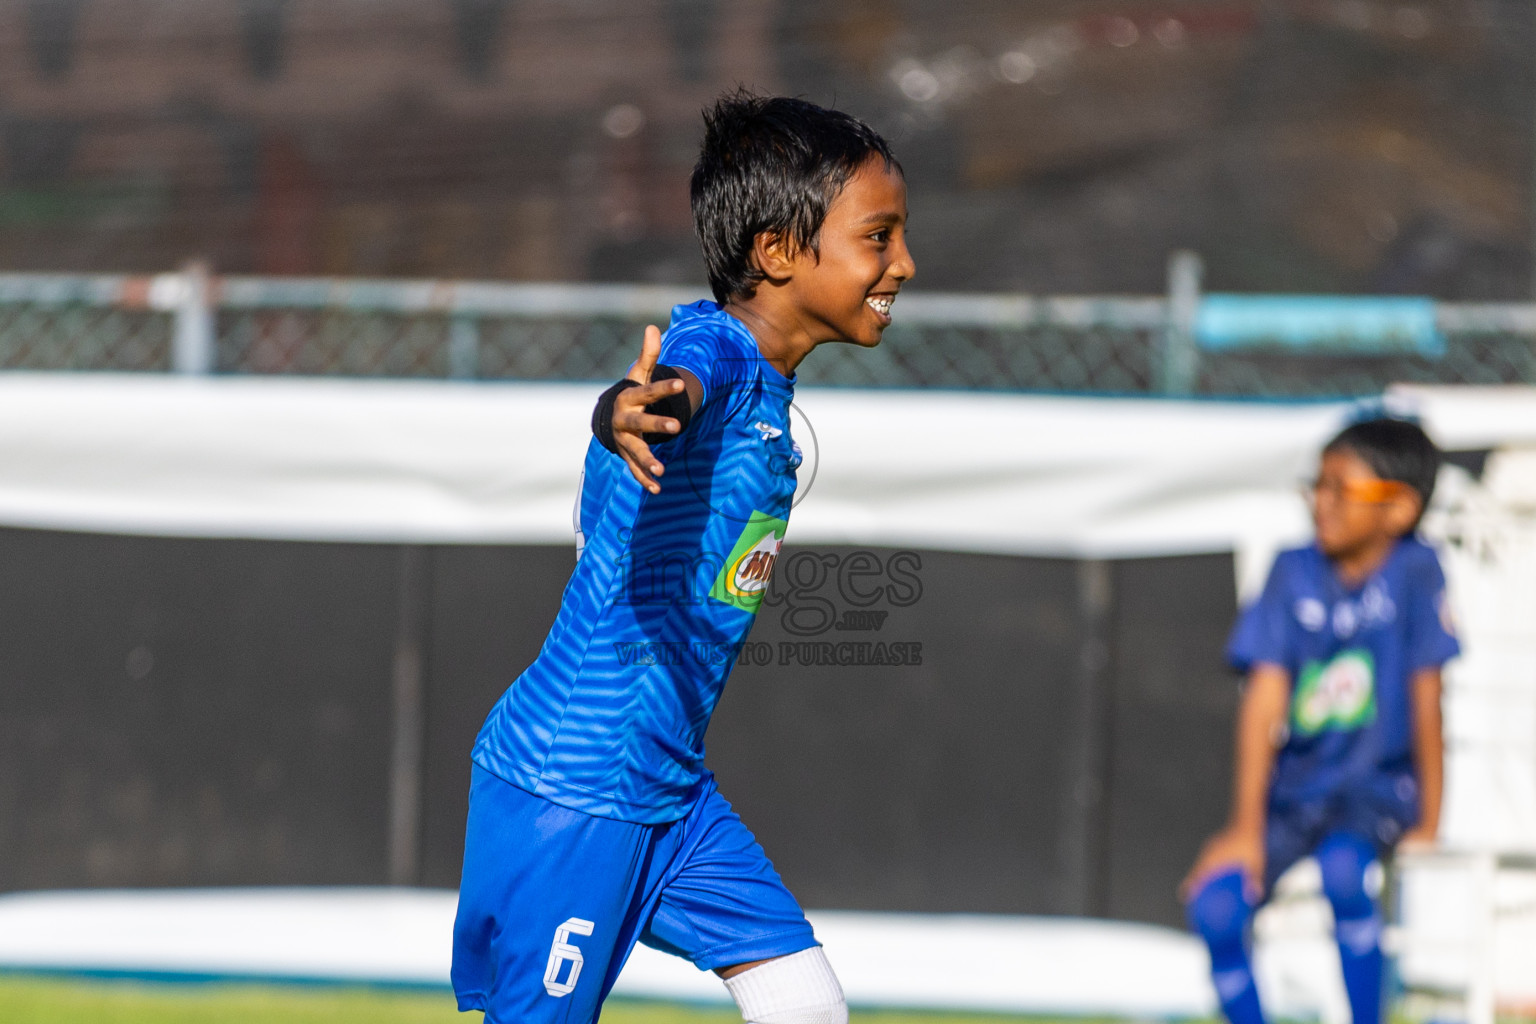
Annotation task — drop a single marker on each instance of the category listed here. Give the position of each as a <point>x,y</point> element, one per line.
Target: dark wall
<point>490,609</point>
<point>180,712</point>
<point>939,786</point>
<point>1170,735</point>
<point>214,712</point>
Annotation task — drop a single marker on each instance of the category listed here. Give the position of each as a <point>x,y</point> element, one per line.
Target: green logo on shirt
<point>743,580</point>
<point>1337,694</point>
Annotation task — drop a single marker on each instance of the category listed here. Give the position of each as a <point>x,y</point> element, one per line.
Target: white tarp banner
<point>499,463</point>
<point>443,462</point>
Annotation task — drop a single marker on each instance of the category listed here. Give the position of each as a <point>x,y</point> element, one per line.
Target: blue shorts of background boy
<point>1339,745</point>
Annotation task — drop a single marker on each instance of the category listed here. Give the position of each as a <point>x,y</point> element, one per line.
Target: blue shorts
<point>1379,813</point>
<point>552,901</point>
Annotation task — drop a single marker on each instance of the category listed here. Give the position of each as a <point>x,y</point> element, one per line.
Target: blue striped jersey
<point>610,717</point>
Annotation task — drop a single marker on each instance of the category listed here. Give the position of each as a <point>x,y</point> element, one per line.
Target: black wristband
<point>676,405</point>
<point>602,414</point>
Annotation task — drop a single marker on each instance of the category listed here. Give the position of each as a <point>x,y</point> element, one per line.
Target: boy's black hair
<point>1395,450</point>
<point>770,164</point>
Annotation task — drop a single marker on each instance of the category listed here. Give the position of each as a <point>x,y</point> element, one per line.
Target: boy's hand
<point>631,421</point>
<point>1232,847</point>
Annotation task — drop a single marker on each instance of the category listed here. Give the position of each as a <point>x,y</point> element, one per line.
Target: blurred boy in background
<point>1339,747</point>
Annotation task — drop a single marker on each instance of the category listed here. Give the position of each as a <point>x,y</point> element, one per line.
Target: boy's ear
<point>1403,511</point>
<point>774,254</point>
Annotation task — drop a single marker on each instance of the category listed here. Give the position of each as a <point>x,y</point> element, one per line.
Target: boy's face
<point>1354,510</point>
<point>845,293</point>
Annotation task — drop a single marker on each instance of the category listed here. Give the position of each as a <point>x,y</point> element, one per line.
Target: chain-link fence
<point>81,323</point>
<point>1124,345</point>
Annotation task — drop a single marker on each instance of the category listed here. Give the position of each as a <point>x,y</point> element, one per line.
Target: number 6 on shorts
<point>561,952</point>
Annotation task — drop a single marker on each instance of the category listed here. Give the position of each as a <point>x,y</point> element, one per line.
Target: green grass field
<point>28,1000</point>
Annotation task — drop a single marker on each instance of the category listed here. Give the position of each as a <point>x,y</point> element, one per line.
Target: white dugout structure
<point>1087,478</point>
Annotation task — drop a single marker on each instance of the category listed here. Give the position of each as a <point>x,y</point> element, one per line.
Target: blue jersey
<point>1350,653</point>
<point>609,719</point>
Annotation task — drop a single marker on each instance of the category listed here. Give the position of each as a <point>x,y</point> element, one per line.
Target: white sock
<point>795,989</point>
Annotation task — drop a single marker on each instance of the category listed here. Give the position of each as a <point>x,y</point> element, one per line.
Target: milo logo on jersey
<point>743,580</point>
<point>1337,694</point>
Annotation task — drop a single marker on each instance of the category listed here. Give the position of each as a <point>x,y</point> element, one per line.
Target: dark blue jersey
<point>1350,653</point>
<point>610,718</point>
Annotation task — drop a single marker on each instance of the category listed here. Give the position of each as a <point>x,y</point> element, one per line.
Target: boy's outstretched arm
<point>1261,718</point>
<point>1428,755</point>
<point>632,417</point>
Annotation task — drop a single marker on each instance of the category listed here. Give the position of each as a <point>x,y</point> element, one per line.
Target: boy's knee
<point>1220,910</point>
<point>1345,861</point>
<point>795,989</point>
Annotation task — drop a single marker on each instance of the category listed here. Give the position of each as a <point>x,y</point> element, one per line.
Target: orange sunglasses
<point>1371,491</point>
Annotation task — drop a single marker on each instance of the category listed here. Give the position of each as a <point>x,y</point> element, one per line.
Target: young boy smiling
<point>593,822</point>
<point>1339,746</point>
